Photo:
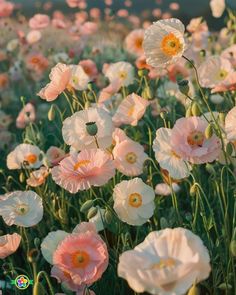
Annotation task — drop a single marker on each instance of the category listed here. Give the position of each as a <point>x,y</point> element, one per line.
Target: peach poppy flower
<point>164,42</point>
<point>9,244</point>
<point>79,79</point>
<point>134,201</point>
<point>76,129</point>
<point>6,8</point>
<point>37,62</point>
<point>95,13</point>
<point>24,155</point>
<point>214,71</point>
<point>134,42</point>
<point>90,68</point>
<point>60,77</point>
<point>109,91</point>
<point>230,124</point>
<point>37,177</point>
<point>217,7</point>
<point>230,54</point>
<point>118,136</point>
<point>59,23</point>
<point>54,155</point>
<point>189,142</point>
<point>83,256</point>
<point>167,262</point>
<point>73,3</point>
<point>26,115</point>
<point>88,28</point>
<point>39,21</point>
<point>131,110</point>
<point>163,189</point>
<point>129,157</point>
<point>77,172</point>
<point>33,36</point>
<point>141,63</point>
<point>228,84</point>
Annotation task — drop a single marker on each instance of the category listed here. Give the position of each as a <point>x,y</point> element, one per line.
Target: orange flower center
<point>31,158</point>
<point>164,263</point>
<point>139,43</point>
<point>196,138</point>
<point>131,111</point>
<point>81,164</point>
<point>131,158</point>
<point>80,259</point>
<point>222,74</point>
<point>35,60</point>
<point>135,200</point>
<point>171,45</point>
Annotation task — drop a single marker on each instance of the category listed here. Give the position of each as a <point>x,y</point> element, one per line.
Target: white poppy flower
<point>217,7</point>
<point>167,158</point>
<point>230,125</point>
<point>24,155</point>
<point>134,201</point>
<point>121,73</point>
<point>22,208</point>
<point>164,42</point>
<point>75,131</point>
<point>79,79</point>
<point>167,262</point>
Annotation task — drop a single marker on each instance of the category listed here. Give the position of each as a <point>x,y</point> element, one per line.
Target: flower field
<point>117,150</point>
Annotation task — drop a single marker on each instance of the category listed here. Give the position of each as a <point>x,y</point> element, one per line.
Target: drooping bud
<point>51,113</point>
<point>92,212</point>
<point>188,112</point>
<point>86,206</point>
<point>92,128</point>
<point>108,216</point>
<point>33,255</point>
<point>22,177</point>
<point>183,86</point>
<point>194,290</point>
<point>193,190</point>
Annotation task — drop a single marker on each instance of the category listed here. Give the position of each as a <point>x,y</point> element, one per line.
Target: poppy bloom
<point>92,167</point>
<point>134,201</point>
<point>9,244</point>
<point>167,262</point>
<point>164,42</point>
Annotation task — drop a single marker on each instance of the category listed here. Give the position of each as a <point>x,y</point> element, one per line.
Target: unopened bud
<point>193,190</point>
<point>22,177</point>
<point>147,93</point>
<point>183,86</point>
<point>195,109</point>
<point>92,212</point>
<point>86,206</point>
<point>51,113</point>
<point>33,255</point>
<point>209,131</point>
<point>188,112</point>
<point>194,290</point>
<point>108,216</point>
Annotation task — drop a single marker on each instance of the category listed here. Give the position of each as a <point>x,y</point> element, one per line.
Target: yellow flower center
<point>21,209</point>
<point>31,158</point>
<point>171,45</point>
<point>75,80</point>
<point>123,75</point>
<point>131,158</point>
<point>173,153</point>
<point>196,138</point>
<point>222,74</point>
<point>131,111</point>
<point>135,200</point>
<point>81,164</point>
<point>80,259</point>
<point>164,263</point>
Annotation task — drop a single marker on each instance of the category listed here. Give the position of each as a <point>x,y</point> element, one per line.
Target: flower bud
<point>193,190</point>
<point>33,255</point>
<point>183,86</point>
<point>92,128</point>
<point>225,286</point>
<point>202,53</point>
<point>51,113</point>
<point>188,112</point>
<point>194,290</point>
<point>210,169</point>
<point>37,242</point>
<point>108,216</point>
<point>209,131</point>
<point>229,148</point>
<point>232,247</point>
<point>147,93</point>
<point>140,73</point>
<point>195,109</point>
<point>22,177</point>
<point>92,212</point>
<point>86,206</point>
<point>222,118</point>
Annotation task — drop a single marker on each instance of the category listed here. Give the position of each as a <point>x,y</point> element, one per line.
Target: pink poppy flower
<point>39,21</point>
<point>37,62</point>
<point>9,244</point>
<point>90,68</point>
<point>230,54</point>
<point>91,167</point>
<point>95,13</point>
<point>134,42</point>
<point>37,177</point>
<point>177,70</point>
<point>83,256</point>
<point>59,23</point>
<point>55,155</point>
<point>118,136</point>
<point>73,3</point>
<point>129,157</point>
<point>27,115</point>
<point>60,77</point>
<point>189,142</point>
<point>229,84</point>
<point>131,110</point>
<point>109,91</point>
<point>88,28</point>
<point>6,8</point>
